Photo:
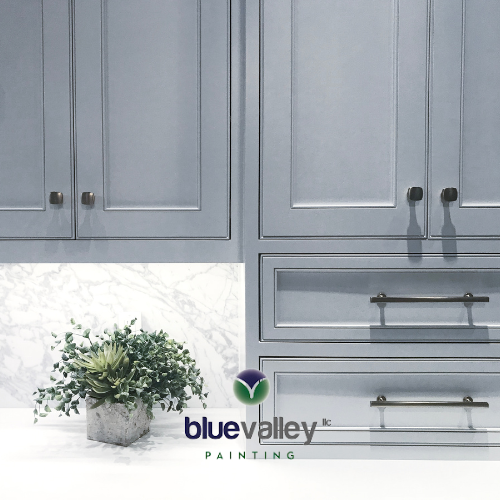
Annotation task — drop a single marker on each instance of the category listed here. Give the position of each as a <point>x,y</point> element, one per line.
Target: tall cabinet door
<point>465,119</point>
<point>152,118</point>
<point>35,119</point>
<point>343,117</point>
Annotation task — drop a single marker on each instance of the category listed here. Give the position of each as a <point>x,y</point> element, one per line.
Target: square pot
<point>112,422</point>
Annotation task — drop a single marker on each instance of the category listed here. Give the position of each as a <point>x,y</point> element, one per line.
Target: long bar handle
<point>467,402</point>
<point>468,298</point>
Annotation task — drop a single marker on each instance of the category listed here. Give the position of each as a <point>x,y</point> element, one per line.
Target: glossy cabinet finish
<point>152,118</point>
<point>35,119</point>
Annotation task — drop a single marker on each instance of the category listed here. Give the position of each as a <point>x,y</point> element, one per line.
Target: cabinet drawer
<point>333,299</point>
<point>337,394</point>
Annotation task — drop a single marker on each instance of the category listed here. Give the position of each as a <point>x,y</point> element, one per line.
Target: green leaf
<point>53,379</point>
<point>72,321</point>
<point>47,408</point>
<point>53,334</point>
<point>35,421</point>
<point>43,414</point>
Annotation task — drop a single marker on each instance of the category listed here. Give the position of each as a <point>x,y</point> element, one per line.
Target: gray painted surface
<point>328,299</point>
<point>340,391</point>
<point>35,120</point>
<point>288,353</point>
<point>465,124</point>
<point>152,118</point>
<point>343,112</point>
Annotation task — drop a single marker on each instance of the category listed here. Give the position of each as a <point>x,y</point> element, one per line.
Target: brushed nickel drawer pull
<point>468,298</point>
<point>467,402</point>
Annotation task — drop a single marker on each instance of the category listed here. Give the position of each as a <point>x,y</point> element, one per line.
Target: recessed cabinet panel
<point>337,394</point>
<point>338,299</point>
<point>152,118</point>
<point>333,105</point>
<point>465,123</point>
<point>35,135</point>
<point>343,109</point>
<point>151,105</point>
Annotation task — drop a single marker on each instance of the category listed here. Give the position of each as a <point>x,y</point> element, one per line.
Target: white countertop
<point>55,457</point>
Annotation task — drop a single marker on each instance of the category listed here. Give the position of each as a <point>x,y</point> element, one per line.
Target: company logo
<point>251,387</point>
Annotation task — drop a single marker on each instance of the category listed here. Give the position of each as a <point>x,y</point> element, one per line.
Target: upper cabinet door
<point>343,117</point>
<point>152,118</point>
<point>35,119</point>
<point>465,119</point>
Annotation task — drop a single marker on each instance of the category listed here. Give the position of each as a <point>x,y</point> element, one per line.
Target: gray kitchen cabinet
<point>360,311</point>
<point>35,120</point>
<point>465,119</point>
<point>152,119</point>
<point>343,113</point>
<point>363,100</point>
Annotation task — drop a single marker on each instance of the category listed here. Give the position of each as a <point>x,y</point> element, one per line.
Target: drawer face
<point>337,394</point>
<point>328,299</point>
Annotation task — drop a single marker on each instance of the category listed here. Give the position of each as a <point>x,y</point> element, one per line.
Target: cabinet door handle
<point>449,194</point>
<point>55,198</point>
<point>466,299</point>
<point>467,402</point>
<point>88,198</point>
<point>415,193</point>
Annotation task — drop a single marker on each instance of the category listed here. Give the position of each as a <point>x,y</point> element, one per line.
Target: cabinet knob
<point>55,198</point>
<point>88,198</point>
<point>449,194</point>
<point>415,193</point>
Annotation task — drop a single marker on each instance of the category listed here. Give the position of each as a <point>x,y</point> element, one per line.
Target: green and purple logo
<point>251,387</point>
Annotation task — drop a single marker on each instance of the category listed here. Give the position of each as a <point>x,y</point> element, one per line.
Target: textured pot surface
<point>112,423</point>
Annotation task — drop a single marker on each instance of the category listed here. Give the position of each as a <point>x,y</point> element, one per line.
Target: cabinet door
<point>152,118</point>
<point>343,117</point>
<point>465,118</point>
<point>35,119</point>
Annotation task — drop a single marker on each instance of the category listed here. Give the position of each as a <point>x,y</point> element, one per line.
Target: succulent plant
<point>120,367</point>
<point>107,373</point>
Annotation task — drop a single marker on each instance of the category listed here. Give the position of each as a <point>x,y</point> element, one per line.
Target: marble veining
<point>196,303</point>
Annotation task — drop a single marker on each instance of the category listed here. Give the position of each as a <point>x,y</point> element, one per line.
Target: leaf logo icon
<point>251,387</point>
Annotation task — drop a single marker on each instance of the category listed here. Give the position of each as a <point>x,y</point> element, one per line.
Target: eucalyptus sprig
<point>119,369</point>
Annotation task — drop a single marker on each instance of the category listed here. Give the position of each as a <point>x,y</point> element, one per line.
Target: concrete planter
<point>112,423</point>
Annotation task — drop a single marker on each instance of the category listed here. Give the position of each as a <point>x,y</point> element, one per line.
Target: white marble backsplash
<point>197,303</point>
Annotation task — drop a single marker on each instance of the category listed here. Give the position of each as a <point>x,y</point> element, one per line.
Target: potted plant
<point>121,376</point>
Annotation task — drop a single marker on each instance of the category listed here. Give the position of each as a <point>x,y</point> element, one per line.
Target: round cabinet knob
<point>55,198</point>
<point>449,194</point>
<point>88,198</point>
<point>415,193</point>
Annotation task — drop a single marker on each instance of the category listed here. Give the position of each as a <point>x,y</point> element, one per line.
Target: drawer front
<point>333,299</point>
<point>338,394</point>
